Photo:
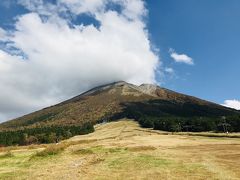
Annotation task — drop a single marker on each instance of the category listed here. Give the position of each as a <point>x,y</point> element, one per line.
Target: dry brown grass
<point>54,149</point>
<point>123,150</point>
<point>211,134</point>
<point>51,150</point>
<point>141,148</point>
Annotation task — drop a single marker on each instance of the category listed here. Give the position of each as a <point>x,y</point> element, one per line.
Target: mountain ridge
<point>147,89</point>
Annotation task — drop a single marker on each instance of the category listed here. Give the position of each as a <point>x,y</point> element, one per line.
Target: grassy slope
<point>123,150</point>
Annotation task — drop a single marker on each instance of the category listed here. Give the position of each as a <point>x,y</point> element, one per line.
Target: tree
<point>52,138</point>
<point>176,127</point>
<point>31,140</point>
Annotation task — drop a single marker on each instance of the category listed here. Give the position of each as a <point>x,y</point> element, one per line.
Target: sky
<point>53,50</point>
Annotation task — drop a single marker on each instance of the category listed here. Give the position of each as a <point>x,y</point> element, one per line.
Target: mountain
<point>115,98</point>
<point>145,103</point>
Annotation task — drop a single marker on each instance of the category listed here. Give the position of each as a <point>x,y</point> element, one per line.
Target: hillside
<point>106,101</point>
<point>149,104</point>
<point>123,150</point>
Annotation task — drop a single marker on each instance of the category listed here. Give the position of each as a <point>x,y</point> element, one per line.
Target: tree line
<point>193,124</point>
<point>40,135</point>
<point>170,116</point>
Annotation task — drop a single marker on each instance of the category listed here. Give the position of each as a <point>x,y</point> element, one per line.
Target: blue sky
<point>207,31</point>
<point>53,50</point>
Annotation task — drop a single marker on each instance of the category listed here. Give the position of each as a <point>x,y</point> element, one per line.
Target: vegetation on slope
<point>39,135</point>
<point>167,116</point>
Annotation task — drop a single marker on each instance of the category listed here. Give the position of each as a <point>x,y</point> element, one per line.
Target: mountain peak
<point>119,83</point>
<point>104,87</point>
<point>149,89</point>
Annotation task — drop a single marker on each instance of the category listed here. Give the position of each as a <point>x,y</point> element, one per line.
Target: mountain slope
<point>115,100</point>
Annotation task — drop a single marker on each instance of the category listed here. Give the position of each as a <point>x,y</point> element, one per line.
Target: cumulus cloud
<point>180,58</point>
<point>50,59</point>
<point>235,104</point>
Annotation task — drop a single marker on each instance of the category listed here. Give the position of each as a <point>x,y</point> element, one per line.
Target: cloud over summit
<point>49,58</point>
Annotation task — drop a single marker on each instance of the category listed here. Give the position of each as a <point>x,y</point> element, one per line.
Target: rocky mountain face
<point>117,100</point>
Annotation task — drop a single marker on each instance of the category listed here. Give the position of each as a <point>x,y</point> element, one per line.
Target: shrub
<point>51,150</point>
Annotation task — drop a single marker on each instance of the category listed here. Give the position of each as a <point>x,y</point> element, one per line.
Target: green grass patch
<point>99,150</point>
<point>117,150</point>
<point>104,150</point>
<point>12,166</point>
<point>83,151</point>
<point>151,161</point>
<point>7,175</point>
<point>7,154</point>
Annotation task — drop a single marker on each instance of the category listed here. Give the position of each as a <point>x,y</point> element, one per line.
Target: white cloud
<point>65,59</point>
<point>181,58</point>
<point>85,6</point>
<point>169,70</point>
<point>43,7</point>
<point>2,33</point>
<point>232,104</point>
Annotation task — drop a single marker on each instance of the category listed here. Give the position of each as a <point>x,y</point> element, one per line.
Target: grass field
<point>123,150</point>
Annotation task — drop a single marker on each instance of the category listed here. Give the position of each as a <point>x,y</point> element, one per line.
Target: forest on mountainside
<point>39,135</point>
